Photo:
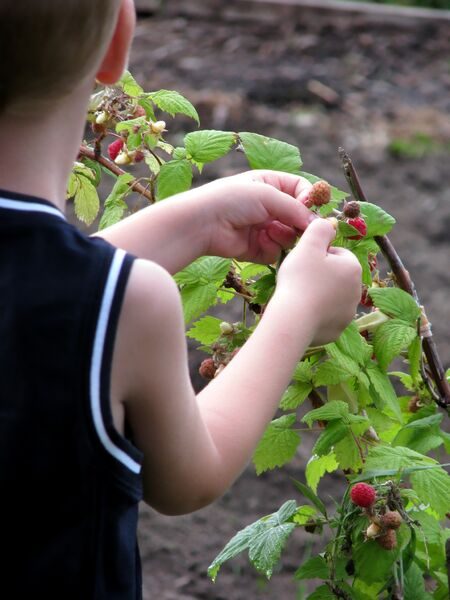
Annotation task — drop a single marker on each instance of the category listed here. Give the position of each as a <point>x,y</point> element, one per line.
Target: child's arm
<point>248,216</point>
<point>195,447</point>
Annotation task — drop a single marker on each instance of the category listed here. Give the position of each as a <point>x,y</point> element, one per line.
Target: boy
<point>96,406</point>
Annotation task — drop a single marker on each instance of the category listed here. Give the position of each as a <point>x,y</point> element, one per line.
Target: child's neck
<point>37,154</point>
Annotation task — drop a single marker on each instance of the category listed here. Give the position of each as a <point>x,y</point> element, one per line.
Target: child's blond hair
<point>47,47</point>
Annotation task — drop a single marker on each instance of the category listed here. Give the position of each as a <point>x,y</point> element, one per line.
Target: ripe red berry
<point>351,209</point>
<point>359,224</point>
<point>207,369</point>
<point>366,300</point>
<point>320,193</point>
<point>114,148</point>
<point>363,495</point>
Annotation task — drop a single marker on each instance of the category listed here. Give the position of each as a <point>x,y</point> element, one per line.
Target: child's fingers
<point>318,236</point>
<point>286,209</point>
<point>281,234</point>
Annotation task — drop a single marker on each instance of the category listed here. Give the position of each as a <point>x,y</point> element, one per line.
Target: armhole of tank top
<point>114,444</point>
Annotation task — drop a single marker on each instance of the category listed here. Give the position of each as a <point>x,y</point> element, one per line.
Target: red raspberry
<point>207,369</point>
<point>359,224</point>
<point>366,300</point>
<point>363,495</point>
<point>351,209</point>
<point>320,193</point>
<point>139,111</point>
<point>115,148</point>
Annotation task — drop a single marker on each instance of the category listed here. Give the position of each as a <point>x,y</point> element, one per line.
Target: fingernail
<point>312,217</point>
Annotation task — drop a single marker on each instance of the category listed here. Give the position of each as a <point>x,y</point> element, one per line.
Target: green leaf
<point>312,497</point>
<point>390,339</point>
<point>414,358</point>
<point>206,269</point>
<point>421,435</point>
<point>249,270</point>
<point>317,466</point>
<point>81,187</point>
<point>328,412</point>
<point>414,585</point>
<point>266,545</point>
<point>314,568</point>
<point>174,177</point>
<point>352,343</point>
<point>278,445</point>
<point>115,204</point>
<point>433,487</point>
<point>378,221</point>
<point>383,392</point>
<point>322,593</point>
<point>330,372</point>
<point>173,103</point>
<point>197,299</point>
<point>372,562</point>
<point>267,153</point>
<point>208,145</point>
<point>331,435</point>
<point>263,288</point>
<point>129,85</point>
<point>236,545</point>
<point>395,457</point>
<point>396,303</point>
<point>347,453</point>
<point>153,164</point>
<point>303,372</point>
<point>295,395</point>
<point>206,330</point>
<point>343,360</point>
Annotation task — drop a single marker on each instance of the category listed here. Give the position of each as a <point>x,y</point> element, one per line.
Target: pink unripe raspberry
<point>351,209</point>
<point>359,224</point>
<point>320,193</point>
<point>391,520</point>
<point>114,148</point>
<point>388,540</point>
<point>363,495</point>
<point>139,111</point>
<point>207,369</point>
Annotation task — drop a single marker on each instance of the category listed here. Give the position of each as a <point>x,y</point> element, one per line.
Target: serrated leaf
<point>314,568</point>
<point>81,187</point>
<point>330,372</point>
<point>267,153</point>
<point>347,453</point>
<point>323,592</point>
<point>174,177</point>
<point>277,446</point>
<point>414,585</point>
<point>433,487</point>
<point>303,372</point>
<point>316,468</point>
<point>197,299</point>
<point>206,269</point>
<point>396,457</point>
<point>295,395</point>
<point>236,545</point>
<point>378,221</point>
<point>173,103</point>
<point>153,164</point>
<point>414,358</point>
<point>115,204</point>
<point>266,545</point>
<point>390,339</point>
<point>208,145</point>
<point>372,562</point>
<point>343,360</point>
<point>383,393</point>
<point>352,343</point>
<point>263,288</point>
<point>206,330</point>
<point>312,496</point>
<point>396,303</point>
<point>129,85</point>
<point>362,255</point>
<point>330,436</point>
<point>250,270</point>
<point>328,412</point>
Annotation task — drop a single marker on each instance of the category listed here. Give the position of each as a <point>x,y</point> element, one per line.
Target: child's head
<point>49,47</point>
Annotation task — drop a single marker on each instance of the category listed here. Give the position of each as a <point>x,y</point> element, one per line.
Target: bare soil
<point>318,83</point>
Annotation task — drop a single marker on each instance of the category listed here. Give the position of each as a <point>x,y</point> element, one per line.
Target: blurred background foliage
<point>443,4</point>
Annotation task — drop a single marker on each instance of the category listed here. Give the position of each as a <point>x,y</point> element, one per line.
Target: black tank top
<point>70,484</point>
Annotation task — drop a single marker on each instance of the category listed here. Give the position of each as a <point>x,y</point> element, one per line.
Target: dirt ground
<point>320,84</point>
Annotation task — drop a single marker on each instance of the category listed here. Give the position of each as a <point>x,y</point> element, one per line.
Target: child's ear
<point>115,60</point>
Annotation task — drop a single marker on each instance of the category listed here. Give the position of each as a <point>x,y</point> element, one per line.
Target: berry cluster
<point>383,521</point>
<point>223,351</point>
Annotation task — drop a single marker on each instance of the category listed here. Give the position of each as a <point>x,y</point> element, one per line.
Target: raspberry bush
<point>379,428</point>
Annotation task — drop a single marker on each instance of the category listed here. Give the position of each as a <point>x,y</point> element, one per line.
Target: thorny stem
<point>441,390</point>
<point>116,170</point>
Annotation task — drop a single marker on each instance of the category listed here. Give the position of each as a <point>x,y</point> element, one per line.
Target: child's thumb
<point>318,236</point>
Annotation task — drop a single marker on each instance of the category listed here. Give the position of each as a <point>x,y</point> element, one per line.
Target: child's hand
<point>323,282</point>
<point>254,215</point>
